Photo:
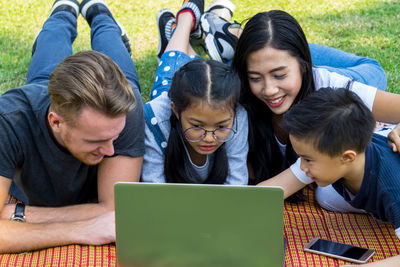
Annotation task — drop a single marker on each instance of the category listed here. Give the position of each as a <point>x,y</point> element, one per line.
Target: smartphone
<point>339,250</point>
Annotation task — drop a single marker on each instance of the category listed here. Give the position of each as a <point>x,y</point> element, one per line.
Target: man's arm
<point>18,236</point>
<point>116,169</point>
<point>78,224</point>
<point>287,180</point>
<point>110,171</point>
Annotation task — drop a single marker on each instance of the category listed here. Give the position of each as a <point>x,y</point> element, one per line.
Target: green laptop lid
<point>176,225</point>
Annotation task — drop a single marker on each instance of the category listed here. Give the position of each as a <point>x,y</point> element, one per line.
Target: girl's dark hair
<point>210,82</point>
<point>279,30</point>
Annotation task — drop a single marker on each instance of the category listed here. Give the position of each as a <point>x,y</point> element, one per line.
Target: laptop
<point>187,225</point>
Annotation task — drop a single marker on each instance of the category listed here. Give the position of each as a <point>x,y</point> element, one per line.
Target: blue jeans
<point>54,43</point>
<point>361,69</point>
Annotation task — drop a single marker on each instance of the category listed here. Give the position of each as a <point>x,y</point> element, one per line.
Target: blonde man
<point>67,136</point>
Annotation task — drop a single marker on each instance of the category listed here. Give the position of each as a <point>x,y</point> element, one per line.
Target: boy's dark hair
<point>210,82</point>
<point>333,120</point>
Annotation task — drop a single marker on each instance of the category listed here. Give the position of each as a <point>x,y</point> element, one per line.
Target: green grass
<point>364,27</point>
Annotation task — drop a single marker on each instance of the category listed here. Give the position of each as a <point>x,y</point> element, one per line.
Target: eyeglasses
<point>196,134</point>
<point>222,134</point>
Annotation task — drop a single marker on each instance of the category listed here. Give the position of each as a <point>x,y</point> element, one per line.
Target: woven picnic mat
<point>302,222</point>
<point>73,255</point>
<point>306,220</point>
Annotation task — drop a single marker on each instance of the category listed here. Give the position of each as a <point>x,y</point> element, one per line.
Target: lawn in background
<point>364,27</point>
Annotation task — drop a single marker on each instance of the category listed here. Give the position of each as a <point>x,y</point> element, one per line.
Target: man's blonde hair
<point>89,79</point>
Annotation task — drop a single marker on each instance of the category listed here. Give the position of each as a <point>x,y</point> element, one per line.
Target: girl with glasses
<point>195,130</point>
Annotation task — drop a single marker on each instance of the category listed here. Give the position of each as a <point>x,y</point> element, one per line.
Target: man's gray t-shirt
<point>46,174</point>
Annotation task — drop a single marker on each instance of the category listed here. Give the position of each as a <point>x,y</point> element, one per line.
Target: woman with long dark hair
<point>275,66</point>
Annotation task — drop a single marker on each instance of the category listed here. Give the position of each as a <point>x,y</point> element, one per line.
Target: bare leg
<point>180,39</point>
<point>178,50</point>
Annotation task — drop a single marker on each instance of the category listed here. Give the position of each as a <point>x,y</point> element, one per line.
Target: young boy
<point>332,132</point>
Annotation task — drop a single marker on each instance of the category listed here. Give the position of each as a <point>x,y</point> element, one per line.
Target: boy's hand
<point>394,139</point>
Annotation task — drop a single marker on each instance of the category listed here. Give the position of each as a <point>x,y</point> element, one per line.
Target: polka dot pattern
<point>170,62</point>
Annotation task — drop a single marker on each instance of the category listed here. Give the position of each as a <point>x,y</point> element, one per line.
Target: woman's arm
<point>386,108</point>
<point>394,139</point>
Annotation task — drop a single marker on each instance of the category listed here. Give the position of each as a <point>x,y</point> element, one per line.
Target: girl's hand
<point>394,139</point>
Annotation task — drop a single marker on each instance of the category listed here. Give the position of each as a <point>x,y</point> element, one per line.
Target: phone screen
<point>339,249</point>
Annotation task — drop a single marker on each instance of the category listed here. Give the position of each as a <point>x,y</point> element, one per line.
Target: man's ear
<point>348,156</point>
<point>173,108</point>
<point>55,121</point>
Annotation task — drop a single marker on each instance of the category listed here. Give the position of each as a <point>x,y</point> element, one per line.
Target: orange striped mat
<point>73,255</point>
<point>304,221</point>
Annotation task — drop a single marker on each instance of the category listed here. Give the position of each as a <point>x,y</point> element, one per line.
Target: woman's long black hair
<point>279,30</point>
<point>210,82</point>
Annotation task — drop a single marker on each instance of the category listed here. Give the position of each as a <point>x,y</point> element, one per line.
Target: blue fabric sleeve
<point>151,122</point>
